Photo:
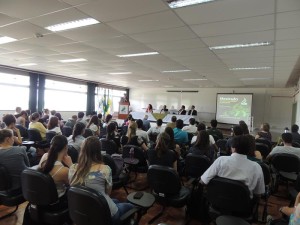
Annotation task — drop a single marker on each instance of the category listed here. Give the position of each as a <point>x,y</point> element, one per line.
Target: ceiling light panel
<point>183,3</point>
<point>138,54</point>
<point>258,44</point>
<point>5,39</point>
<point>175,71</point>
<point>28,64</point>
<point>72,60</point>
<point>252,68</point>
<point>198,79</point>
<point>72,24</point>
<point>120,73</point>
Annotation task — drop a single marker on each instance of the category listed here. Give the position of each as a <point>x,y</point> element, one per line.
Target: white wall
<point>272,105</point>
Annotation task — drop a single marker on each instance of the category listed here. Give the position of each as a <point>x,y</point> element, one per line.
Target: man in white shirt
<point>191,128</point>
<point>238,167</point>
<point>141,133</point>
<point>287,147</point>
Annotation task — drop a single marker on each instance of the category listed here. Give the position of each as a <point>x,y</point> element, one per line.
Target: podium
<point>123,110</point>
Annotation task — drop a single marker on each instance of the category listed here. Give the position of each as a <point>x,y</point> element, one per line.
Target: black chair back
<point>5,179</point>
<point>296,144</point>
<point>109,146</point>
<point>67,131</point>
<point>23,131</point>
<point>163,180</point>
<point>50,135</point>
<point>73,153</point>
<point>266,171</point>
<point>264,141</point>
<point>286,163</point>
<point>229,196</point>
<point>138,154</point>
<point>111,163</point>
<point>196,165</point>
<point>34,135</point>
<point>87,133</point>
<point>38,188</point>
<point>263,149</point>
<point>87,206</point>
<point>103,132</point>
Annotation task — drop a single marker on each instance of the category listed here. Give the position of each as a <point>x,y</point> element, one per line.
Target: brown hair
<point>53,122</point>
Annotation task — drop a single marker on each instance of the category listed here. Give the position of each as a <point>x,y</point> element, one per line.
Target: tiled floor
<point>172,216</point>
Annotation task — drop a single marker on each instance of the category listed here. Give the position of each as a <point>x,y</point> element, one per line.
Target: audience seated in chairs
<point>172,145</point>
<point>216,133</point>
<point>94,125</point>
<point>10,122</point>
<point>237,131</point>
<point>237,167</point>
<point>35,124</point>
<point>67,131</point>
<point>253,154</point>
<point>53,163</point>
<point>295,134</point>
<point>53,125</point>
<point>76,139</point>
<point>264,132</point>
<point>191,128</point>
<point>71,122</point>
<point>13,158</point>
<point>91,172</point>
<point>60,119</point>
<point>21,119</point>
<point>80,116</point>
<point>202,146</point>
<point>109,143</point>
<point>201,126</point>
<point>172,124</point>
<point>156,130</point>
<point>161,155</point>
<point>141,133</point>
<point>132,139</point>
<point>180,136</point>
<point>244,127</point>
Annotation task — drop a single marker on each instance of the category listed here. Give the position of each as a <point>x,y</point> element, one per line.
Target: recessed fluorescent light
<point>147,80</point>
<point>120,73</point>
<point>256,78</point>
<point>5,39</point>
<point>194,79</point>
<point>28,64</point>
<point>240,45</point>
<point>168,86</point>
<point>72,60</point>
<point>182,3</point>
<point>252,68</point>
<point>138,54</point>
<point>72,24</point>
<point>175,71</point>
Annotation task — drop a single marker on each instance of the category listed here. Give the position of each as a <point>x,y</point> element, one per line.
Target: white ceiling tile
<point>175,45</point>
<point>149,22</point>
<point>245,25</point>
<point>286,44</point>
<point>287,5</point>
<point>288,33</point>
<point>112,10</point>
<point>288,19</point>
<point>225,10</point>
<point>174,34</point>
<point>4,19</point>
<point>48,40</point>
<point>30,8</point>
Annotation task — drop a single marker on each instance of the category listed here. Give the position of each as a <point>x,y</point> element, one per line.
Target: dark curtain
<point>90,104</point>
<point>33,89</point>
<point>41,92</point>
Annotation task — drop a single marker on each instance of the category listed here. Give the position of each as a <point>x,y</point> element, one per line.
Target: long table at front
<point>166,118</point>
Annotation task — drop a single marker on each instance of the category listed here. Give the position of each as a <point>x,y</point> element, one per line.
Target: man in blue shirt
<point>180,136</point>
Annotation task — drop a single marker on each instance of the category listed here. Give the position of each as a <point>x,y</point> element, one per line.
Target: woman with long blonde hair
<point>93,173</point>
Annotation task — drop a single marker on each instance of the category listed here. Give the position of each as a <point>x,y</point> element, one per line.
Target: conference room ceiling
<point>181,36</point>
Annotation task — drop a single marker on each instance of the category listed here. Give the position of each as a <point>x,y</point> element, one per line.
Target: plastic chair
<point>109,146</point>
<point>50,135</point>
<point>73,153</point>
<point>23,131</point>
<point>9,197</point>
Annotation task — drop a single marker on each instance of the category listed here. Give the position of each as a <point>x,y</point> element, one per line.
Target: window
<point>109,97</point>
<point>14,90</point>
<point>65,96</point>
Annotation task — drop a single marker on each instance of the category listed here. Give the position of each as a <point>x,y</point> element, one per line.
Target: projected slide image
<point>231,108</point>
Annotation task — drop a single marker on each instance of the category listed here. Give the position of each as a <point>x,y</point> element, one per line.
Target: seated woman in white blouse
<point>94,125</point>
<point>53,125</point>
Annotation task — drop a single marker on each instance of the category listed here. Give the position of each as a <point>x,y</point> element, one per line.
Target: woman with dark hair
<point>244,127</point>
<point>94,125</point>
<point>172,145</point>
<point>264,132</point>
<point>161,155</point>
<point>13,158</point>
<point>22,118</point>
<point>149,109</point>
<point>37,125</point>
<point>60,119</point>
<point>53,163</point>
<point>76,139</point>
<point>108,119</point>
<point>202,146</point>
<point>53,125</point>
<point>93,173</point>
<point>132,139</point>
<point>10,122</point>
<point>253,154</point>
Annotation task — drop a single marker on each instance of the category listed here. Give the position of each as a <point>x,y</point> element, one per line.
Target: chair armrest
<point>129,213</point>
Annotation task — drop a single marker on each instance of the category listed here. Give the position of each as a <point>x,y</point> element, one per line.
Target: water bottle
<point>295,217</point>
<point>131,153</point>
